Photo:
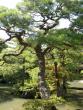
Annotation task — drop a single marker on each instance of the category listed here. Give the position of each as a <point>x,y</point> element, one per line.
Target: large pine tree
<point>33,23</point>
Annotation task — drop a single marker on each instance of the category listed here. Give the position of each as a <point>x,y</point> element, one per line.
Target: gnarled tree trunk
<point>43,89</point>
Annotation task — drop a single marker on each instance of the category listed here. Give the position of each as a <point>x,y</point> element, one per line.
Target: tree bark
<point>64,79</point>
<point>64,86</point>
<point>61,86</point>
<point>57,79</point>
<point>43,89</point>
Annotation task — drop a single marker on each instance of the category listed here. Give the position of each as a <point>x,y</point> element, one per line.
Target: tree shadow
<point>76,98</point>
<point>5,94</point>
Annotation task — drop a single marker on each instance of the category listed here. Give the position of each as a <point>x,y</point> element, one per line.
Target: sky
<point>64,23</point>
<point>9,3</point>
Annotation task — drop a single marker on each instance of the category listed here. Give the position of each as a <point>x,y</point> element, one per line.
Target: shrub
<point>41,104</point>
<point>27,91</point>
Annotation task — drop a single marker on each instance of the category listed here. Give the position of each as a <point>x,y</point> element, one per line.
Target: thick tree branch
<point>22,42</point>
<point>17,35</point>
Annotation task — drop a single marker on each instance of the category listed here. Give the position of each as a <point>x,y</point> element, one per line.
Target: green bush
<point>27,91</point>
<point>41,104</point>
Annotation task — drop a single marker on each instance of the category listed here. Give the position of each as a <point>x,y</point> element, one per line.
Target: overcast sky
<point>64,23</point>
<point>9,3</point>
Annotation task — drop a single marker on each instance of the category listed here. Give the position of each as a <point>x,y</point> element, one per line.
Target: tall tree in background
<point>34,23</point>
